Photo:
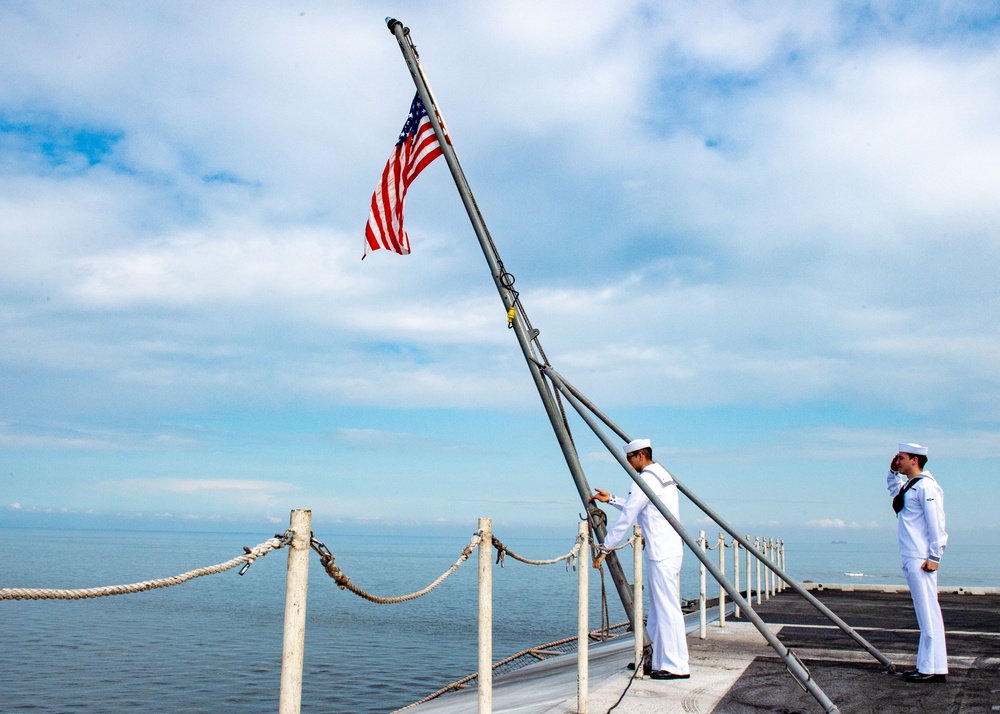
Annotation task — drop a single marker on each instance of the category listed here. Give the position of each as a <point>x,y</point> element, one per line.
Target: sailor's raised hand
<point>601,495</point>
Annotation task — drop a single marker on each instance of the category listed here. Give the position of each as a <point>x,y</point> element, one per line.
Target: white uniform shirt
<point>921,522</point>
<point>661,540</point>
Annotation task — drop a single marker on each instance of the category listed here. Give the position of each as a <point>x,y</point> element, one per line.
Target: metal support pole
<point>507,296</point>
<point>582,626</point>
<point>637,599</point>
<point>296,588</point>
<point>485,616</point>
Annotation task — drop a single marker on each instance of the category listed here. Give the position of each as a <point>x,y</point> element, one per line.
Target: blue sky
<point>765,237</point>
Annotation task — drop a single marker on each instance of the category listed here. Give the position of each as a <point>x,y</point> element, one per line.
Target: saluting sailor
<point>919,504</point>
<point>662,554</point>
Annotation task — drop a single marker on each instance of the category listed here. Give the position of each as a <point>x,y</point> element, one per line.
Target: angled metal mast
<point>527,338</point>
<point>542,374</point>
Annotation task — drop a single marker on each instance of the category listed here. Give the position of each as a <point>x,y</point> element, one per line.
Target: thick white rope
<point>344,582</point>
<point>625,544</point>
<point>503,551</point>
<point>246,559</point>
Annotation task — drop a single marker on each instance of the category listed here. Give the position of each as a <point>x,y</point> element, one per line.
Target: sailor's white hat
<point>635,445</point>
<point>913,449</point>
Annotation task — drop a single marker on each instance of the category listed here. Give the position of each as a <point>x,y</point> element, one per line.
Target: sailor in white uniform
<point>919,504</point>
<point>662,554</point>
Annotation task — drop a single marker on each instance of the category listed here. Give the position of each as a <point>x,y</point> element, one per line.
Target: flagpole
<point>509,298</point>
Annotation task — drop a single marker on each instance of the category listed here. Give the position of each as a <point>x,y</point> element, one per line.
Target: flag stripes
<point>416,148</point>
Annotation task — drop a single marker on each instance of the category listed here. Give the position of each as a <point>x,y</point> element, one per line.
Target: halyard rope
<point>595,549</point>
<point>245,560</point>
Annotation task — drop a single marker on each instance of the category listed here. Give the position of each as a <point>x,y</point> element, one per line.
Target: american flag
<point>416,149</point>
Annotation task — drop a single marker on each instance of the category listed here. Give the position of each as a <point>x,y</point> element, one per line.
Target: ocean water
<point>214,644</point>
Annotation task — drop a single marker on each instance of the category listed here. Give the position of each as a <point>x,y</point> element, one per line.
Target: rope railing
<point>280,541</point>
<point>299,539</point>
<point>344,583</point>
<point>503,551</point>
<point>246,560</point>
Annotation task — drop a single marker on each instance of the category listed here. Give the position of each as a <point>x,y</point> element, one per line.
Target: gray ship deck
<point>734,671</point>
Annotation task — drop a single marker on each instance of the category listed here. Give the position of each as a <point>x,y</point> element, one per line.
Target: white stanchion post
<point>296,589</point>
<point>736,571</point>
<point>756,544</point>
<point>722,590</point>
<point>703,629</point>
<point>486,616</point>
<point>768,573</point>
<point>582,626</point>
<point>749,575</point>
<point>784,566</point>
<point>777,561</point>
<point>639,629</point>
<point>767,570</point>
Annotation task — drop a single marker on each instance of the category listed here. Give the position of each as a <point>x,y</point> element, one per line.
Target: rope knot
<point>330,566</point>
<point>474,542</point>
<point>501,551</point>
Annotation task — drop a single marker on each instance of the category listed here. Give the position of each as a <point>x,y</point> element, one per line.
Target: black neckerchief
<point>897,500</point>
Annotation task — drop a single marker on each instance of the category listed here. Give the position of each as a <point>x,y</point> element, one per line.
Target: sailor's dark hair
<point>645,451</point>
<point>921,459</point>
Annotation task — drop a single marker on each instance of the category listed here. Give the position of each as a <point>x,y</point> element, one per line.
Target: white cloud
<point>840,523</point>
<point>193,499</point>
<point>706,205</point>
<point>191,486</point>
<point>827,523</point>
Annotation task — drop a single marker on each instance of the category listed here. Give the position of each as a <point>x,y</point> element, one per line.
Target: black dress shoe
<point>920,677</point>
<point>908,672</point>
<point>664,674</point>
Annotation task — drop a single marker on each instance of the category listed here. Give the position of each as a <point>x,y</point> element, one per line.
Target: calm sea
<point>214,644</point>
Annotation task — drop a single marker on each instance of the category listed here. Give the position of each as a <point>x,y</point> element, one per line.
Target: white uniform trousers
<point>666,621</point>
<point>932,656</point>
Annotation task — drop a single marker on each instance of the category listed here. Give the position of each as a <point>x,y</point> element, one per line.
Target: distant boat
<point>839,542</point>
<point>855,575</point>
